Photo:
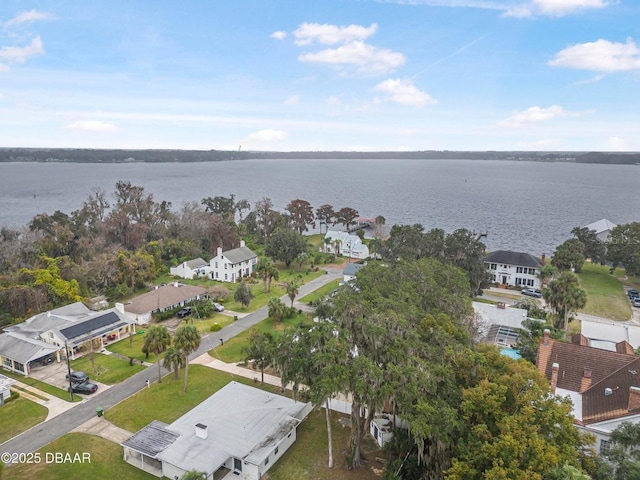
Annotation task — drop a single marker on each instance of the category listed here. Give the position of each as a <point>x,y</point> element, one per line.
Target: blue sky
<point>322,75</point>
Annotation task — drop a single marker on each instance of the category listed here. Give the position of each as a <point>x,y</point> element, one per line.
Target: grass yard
<point>204,325</point>
<point>166,402</point>
<point>45,387</point>
<point>135,350</point>
<point>307,458</point>
<point>485,300</point>
<point>232,350</point>
<point>20,415</point>
<point>109,369</point>
<point>321,292</point>
<point>605,295</point>
<point>106,461</point>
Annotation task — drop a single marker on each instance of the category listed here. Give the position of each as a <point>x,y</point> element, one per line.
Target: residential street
<point>46,432</point>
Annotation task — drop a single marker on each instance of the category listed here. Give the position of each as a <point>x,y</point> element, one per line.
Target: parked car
<point>636,302</point>
<point>85,387</point>
<point>532,292</point>
<point>218,307</point>
<point>185,312</point>
<point>632,292</point>
<point>78,377</point>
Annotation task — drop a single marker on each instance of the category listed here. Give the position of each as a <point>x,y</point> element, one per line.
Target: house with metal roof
<point>164,297</point>
<point>498,324</point>
<point>602,228</point>
<point>603,385</point>
<point>232,265</point>
<point>514,269</point>
<point>190,269</point>
<point>18,352</point>
<point>349,272</point>
<point>239,432</point>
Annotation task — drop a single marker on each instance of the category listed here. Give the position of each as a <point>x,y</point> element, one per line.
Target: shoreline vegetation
<point>83,155</point>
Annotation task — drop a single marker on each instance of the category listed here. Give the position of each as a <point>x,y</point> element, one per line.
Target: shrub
<point>215,327</point>
<point>14,395</point>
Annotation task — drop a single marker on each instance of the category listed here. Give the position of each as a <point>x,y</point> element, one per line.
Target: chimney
<point>502,305</point>
<point>201,431</point>
<point>580,339</point>
<point>545,336</point>
<point>120,308</point>
<point>634,398</point>
<point>219,252</point>
<point>624,347</point>
<point>554,377</point>
<point>241,243</point>
<point>543,259</point>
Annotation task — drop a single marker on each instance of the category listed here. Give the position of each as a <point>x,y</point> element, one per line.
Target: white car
<point>531,292</point>
<point>218,307</point>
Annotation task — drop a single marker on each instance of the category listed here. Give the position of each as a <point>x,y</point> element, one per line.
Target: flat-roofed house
<point>232,265</point>
<point>516,269</point>
<point>240,429</point>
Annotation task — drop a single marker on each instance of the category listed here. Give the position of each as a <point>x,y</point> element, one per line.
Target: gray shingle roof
<point>508,257</point>
<point>152,439</point>
<point>239,255</point>
<point>23,349</point>
<point>352,268</point>
<point>195,263</point>
<point>163,297</point>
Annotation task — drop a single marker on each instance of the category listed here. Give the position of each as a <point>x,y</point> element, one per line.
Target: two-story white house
<point>346,245</point>
<point>516,269</point>
<point>232,265</point>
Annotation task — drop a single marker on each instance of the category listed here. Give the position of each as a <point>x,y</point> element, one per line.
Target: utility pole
<point>66,352</point>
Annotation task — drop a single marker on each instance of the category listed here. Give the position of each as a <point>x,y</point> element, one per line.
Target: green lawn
<point>45,387</point>
<point>232,350</point>
<point>106,461</point>
<point>307,458</point>
<point>166,402</point>
<point>204,326</point>
<point>18,416</point>
<point>109,369</point>
<point>321,292</point>
<point>135,350</point>
<point>605,295</point>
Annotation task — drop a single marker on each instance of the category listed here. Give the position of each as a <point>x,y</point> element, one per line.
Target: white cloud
<point>327,34</point>
<point>20,54</point>
<point>268,135</point>
<point>279,35</point>
<point>333,101</point>
<point>28,17</point>
<point>402,91</point>
<point>92,126</point>
<point>565,7</point>
<point>292,100</point>
<point>367,59</point>
<point>600,56</point>
<point>535,115</point>
<point>3,67</point>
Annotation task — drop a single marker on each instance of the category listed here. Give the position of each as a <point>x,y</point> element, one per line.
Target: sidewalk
<point>234,369</point>
<point>55,405</point>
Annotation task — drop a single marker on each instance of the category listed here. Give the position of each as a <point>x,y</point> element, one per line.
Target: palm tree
<point>156,341</point>
<point>276,309</point>
<point>274,274</point>
<point>379,223</point>
<point>327,244</point>
<point>187,340</point>
<point>292,289</point>
<point>265,264</point>
<point>173,360</point>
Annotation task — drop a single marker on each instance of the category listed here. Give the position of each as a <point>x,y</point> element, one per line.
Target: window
<point>518,281</point>
<point>18,366</point>
<point>7,362</point>
<point>532,271</point>
<point>216,264</point>
<point>493,266</point>
<point>225,266</point>
<point>277,449</point>
<point>266,462</point>
<point>519,270</point>
<point>493,277</point>
<point>605,445</point>
<point>225,275</point>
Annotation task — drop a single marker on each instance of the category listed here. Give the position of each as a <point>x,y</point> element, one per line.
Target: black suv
<point>185,312</point>
<point>78,377</point>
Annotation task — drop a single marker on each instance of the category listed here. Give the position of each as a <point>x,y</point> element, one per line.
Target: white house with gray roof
<point>232,265</point>
<point>240,429</point>
<point>190,269</point>
<point>345,244</point>
<point>5,388</point>
<point>602,228</point>
<point>515,269</point>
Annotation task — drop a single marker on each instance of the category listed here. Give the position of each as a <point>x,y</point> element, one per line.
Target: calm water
<point>525,206</point>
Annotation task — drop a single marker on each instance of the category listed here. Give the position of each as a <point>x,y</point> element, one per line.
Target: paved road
<point>46,432</point>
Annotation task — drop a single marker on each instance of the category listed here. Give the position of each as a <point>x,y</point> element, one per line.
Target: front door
<point>237,465</point>
<point>504,279</point>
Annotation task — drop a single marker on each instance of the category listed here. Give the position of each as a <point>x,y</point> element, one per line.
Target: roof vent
<point>587,372</point>
<point>201,431</point>
<point>608,391</point>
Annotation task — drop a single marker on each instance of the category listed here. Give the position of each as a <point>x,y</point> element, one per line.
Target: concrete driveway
<point>56,374</point>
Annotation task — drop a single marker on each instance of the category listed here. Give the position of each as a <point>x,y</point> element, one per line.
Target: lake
<point>525,206</point>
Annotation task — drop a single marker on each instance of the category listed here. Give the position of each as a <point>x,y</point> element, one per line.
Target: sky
<point>331,75</point>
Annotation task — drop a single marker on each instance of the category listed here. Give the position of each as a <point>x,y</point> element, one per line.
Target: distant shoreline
<point>64,155</point>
